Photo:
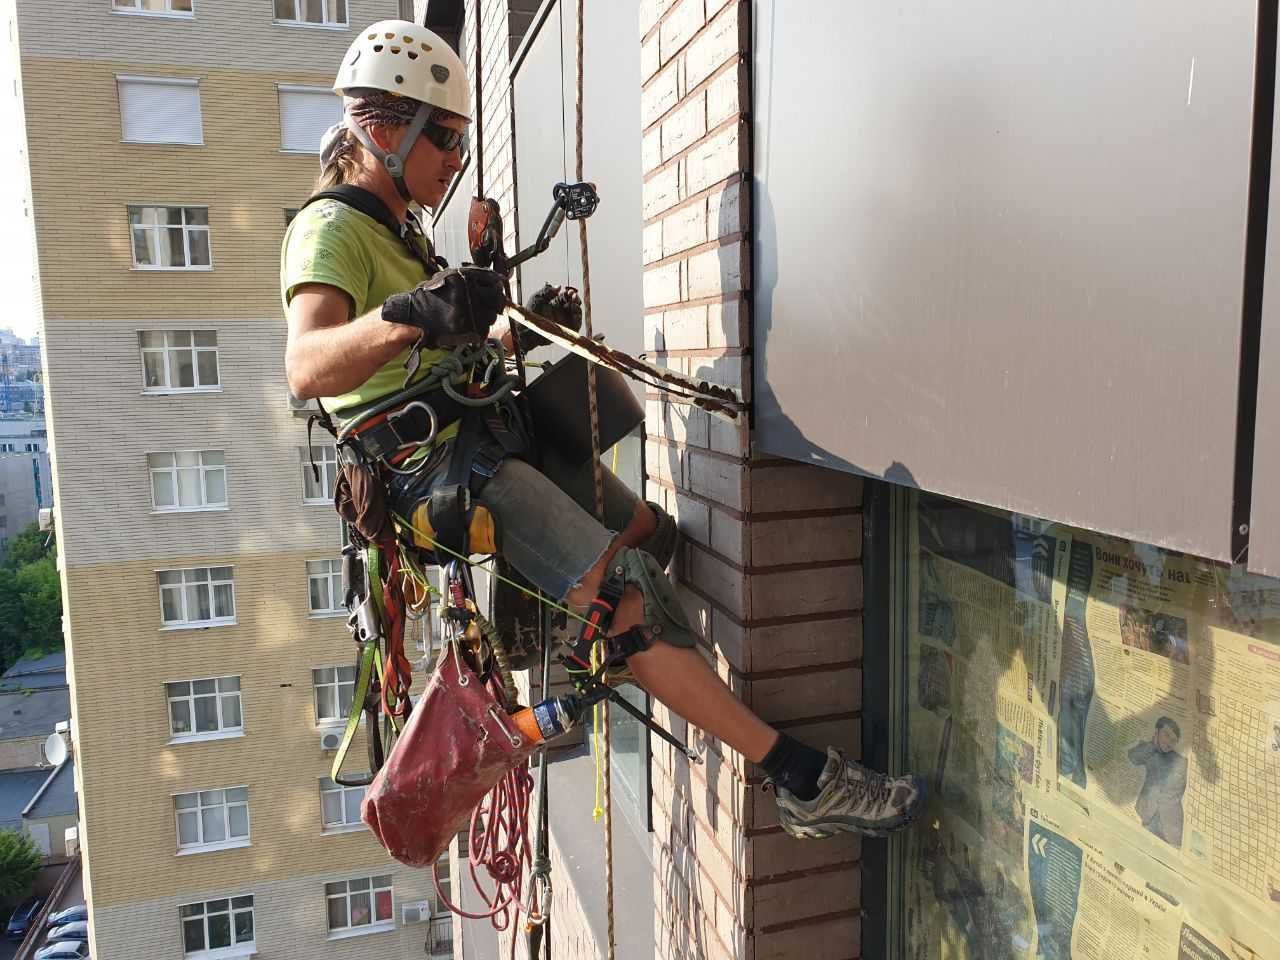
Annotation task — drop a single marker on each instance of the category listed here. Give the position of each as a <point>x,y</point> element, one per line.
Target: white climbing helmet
<point>402,57</point>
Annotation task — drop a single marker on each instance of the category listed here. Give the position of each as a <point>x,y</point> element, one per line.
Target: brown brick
<point>831,891</point>
<point>806,540</point>
<point>796,696</point>
<point>778,488</point>
<point>812,591</point>
<point>836,939</point>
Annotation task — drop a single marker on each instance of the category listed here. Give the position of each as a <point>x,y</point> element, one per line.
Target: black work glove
<point>455,306</point>
<point>560,304</point>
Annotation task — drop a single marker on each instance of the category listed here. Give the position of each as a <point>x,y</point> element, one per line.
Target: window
<point>198,597</point>
<point>325,458</point>
<point>199,708</point>
<point>325,12</point>
<point>170,238</point>
<point>175,7</point>
<point>175,360</point>
<point>6,448</point>
<point>358,905</point>
<point>340,806</point>
<point>335,688</point>
<point>325,579</point>
<point>160,110</point>
<point>188,480</point>
<point>212,818</point>
<point>305,114</point>
<point>217,925</point>
<point>33,448</point>
<point>289,214</point>
<point>4,520</point>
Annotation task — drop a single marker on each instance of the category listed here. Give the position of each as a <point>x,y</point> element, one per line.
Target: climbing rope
<point>598,472</point>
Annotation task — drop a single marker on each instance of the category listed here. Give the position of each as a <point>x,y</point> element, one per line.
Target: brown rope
<point>598,471</point>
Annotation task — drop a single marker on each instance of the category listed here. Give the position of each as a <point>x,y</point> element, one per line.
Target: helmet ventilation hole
<point>408,39</point>
<point>390,36</point>
<point>412,55</point>
<point>395,49</point>
<point>399,79</point>
<point>426,48</point>
<point>377,48</point>
<point>372,36</point>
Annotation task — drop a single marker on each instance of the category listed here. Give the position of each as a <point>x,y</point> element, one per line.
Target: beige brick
<point>836,939</point>
<point>810,591</point>
<point>726,210</point>
<point>719,581</point>
<point>794,697</point>
<point>724,481</point>
<point>719,270</point>
<point>727,94</point>
<point>715,158</point>
<point>790,645</point>
<point>651,242</point>
<point>777,853</point>
<point>684,20</point>
<point>729,538</point>
<point>727,324</point>
<point>778,488</point>
<point>685,328</point>
<point>685,125</point>
<point>662,284</point>
<point>664,462</point>
<point>813,896</point>
<point>662,191</point>
<point>806,540</point>
<point>732,437</point>
<point>732,371</point>
<point>659,97</point>
<point>725,37</point>
<point>649,61</point>
<point>685,228</point>
<point>651,150</point>
<point>650,11</point>
<point>653,338</point>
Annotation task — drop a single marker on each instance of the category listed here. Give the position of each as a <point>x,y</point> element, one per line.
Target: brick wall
<point>771,566</point>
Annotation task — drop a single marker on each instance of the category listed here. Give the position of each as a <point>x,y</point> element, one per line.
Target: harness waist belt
<point>414,423</point>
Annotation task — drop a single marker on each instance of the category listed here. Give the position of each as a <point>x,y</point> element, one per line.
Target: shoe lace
<point>869,787</point>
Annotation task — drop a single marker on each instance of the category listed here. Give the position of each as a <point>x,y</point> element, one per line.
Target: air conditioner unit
<point>301,408</point>
<point>71,837</point>
<point>419,912</point>
<point>46,519</point>
<point>330,739</point>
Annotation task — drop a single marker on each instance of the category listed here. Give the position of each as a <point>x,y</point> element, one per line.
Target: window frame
<point>328,456</point>
<point>165,350</point>
<point>201,469</point>
<point>234,949</point>
<point>199,809</point>
<point>186,236</point>
<point>167,14</point>
<point>329,788</point>
<point>324,25</point>
<point>225,731</point>
<point>214,621</point>
<point>336,607</point>
<point>374,925</point>
<point>327,722</point>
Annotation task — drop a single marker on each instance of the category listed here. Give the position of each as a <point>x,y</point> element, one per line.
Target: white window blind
<point>305,114</point>
<point>160,110</point>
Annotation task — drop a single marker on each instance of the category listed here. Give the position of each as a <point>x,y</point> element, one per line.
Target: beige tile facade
<point>102,425</point>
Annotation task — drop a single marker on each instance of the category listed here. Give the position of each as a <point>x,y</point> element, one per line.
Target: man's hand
<point>455,306</point>
<point>561,304</point>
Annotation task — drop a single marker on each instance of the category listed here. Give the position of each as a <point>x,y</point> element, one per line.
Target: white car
<point>77,930</point>
<point>64,950</point>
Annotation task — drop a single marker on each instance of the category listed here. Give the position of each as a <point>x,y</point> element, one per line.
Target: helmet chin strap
<point>393,163</point>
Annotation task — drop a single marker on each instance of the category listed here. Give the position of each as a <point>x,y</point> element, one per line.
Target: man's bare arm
<point>328,352</point>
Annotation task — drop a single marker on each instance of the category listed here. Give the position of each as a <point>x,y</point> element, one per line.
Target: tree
<point>30,598</point>
<point>20,859</point>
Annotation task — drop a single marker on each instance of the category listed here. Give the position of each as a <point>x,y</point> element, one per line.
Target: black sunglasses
<point>445,138</point>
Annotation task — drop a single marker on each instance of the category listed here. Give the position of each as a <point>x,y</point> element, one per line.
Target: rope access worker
<point>362,289</point>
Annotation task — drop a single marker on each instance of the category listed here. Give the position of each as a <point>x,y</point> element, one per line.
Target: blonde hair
<point>343,163</point>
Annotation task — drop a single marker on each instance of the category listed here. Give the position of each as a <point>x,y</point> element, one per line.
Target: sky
<point>18,310</point>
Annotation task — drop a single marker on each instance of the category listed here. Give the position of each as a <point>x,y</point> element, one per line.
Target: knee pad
<point>664,616</point>
<point>662,544</point>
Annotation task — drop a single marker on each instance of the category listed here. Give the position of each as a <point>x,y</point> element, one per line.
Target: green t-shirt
<point>330,242</point>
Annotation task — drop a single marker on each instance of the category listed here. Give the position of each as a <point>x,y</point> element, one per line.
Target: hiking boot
<point>853,799</point>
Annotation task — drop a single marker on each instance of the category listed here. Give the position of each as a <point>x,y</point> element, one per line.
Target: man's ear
<point>384,136</point>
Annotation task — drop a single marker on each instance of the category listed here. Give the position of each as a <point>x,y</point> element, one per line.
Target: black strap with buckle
<point>411,424</point>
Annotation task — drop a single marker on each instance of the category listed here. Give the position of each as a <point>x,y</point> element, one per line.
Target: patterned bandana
<point>379,108</point>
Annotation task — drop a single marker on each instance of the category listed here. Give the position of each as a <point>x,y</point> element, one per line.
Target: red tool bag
<point>459,742</point>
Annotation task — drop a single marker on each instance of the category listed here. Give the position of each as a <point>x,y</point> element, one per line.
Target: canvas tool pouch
<point>459,742</point>
<point>359,499</point>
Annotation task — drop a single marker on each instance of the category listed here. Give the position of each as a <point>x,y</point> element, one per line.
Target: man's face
<point>1166,739</point>
<point>428,170</point>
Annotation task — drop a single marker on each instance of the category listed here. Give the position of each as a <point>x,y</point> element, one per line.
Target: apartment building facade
<point>169,141</point>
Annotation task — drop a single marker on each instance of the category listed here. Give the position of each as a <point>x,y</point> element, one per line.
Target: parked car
<point>20,922</point>
<point>77,930</point>
<point>64,950</point>
<point>68,915</point>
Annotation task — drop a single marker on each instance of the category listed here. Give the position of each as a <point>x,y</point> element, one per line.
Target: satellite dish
<point>55,749</point>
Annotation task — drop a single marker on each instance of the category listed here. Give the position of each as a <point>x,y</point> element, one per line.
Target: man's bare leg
<point>678,676</point>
